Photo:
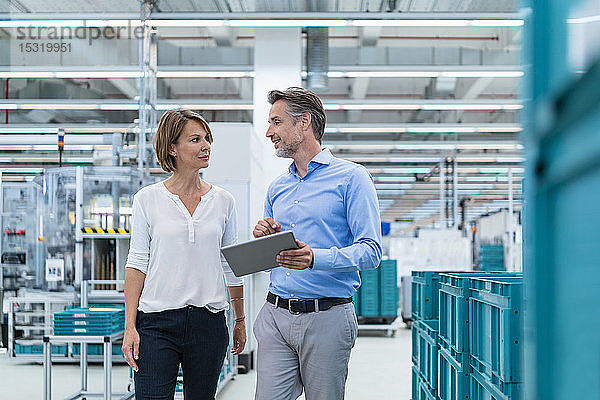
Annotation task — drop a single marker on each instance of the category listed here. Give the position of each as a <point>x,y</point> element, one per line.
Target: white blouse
<point>181,253</point>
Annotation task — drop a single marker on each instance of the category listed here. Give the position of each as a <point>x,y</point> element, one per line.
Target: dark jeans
<point>192,336</point>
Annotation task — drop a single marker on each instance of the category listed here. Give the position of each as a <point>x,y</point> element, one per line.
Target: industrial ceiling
<point>403,99</point>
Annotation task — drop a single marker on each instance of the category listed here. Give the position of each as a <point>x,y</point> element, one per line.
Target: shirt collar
<point>323,158</point>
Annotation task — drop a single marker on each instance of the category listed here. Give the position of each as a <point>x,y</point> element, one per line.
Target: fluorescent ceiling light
<point>422,74</point>
<point>499,129</point>
<point>494,170</point>
<point>423,128</point>
<point>411,22</point>
<point>185,22</point>
<point>481,74</point>
<point>400,170</point>
<point>426,146</point>
<point>371,129</point>
<point>24,75</point>
<point>367,106</point>
<point>395,179</point>
<point>214,107</point>
<point>204,74</point>
<point>406,159</point>
<point>497,23</point>
<point>434,129</point>
<point>120,106</point>
<point>584,20</point>
<point>36,23</point>
<point>286,22</point>
<point>58,106</point>
<point>126,74</point>
<point>97,74</point>
<point>111,107</point>
<point>388,74</point>
<point>490,178</point>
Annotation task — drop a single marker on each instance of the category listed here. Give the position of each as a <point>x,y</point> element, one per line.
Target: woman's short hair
<point>170,127</point>
<point>298,101</point>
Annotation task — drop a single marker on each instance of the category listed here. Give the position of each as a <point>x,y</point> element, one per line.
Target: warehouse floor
<point>380,368</point>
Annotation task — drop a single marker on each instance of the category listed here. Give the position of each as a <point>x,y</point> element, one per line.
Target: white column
<point>277,65</point>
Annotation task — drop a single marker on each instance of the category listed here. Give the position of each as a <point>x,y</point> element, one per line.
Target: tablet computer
<point>258,254</point>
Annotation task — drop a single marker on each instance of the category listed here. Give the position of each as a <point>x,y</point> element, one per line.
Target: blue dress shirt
<point>334,210</point>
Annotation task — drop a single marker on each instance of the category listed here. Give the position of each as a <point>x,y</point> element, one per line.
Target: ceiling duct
<point>317,58</point>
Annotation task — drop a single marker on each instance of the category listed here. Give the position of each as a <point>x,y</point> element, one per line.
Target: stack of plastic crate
<point>491,257</point>
<point>425,286</point>
<point>377,297</point>
<point>474,318</point>
<point>496,336</point>
<point>89,321</point>
<point>369,293</point>
<point>388,288</point>
<point>453,337</point>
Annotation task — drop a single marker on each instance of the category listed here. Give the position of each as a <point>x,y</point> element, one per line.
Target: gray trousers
<point>306,351</point>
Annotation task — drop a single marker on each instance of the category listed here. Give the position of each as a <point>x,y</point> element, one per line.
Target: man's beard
<point>287,150</point>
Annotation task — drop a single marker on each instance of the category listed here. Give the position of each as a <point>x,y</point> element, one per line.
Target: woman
<point>174,292</point>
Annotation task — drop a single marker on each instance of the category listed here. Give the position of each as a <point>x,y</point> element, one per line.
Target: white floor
<point>380,369</point>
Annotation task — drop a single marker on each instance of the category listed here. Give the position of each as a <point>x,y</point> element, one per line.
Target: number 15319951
<point>34,47</point>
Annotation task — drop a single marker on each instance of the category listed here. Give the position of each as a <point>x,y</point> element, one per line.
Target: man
<point>307,327</point>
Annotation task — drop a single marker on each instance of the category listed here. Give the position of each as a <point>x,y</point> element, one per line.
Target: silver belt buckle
<point>290,306</point>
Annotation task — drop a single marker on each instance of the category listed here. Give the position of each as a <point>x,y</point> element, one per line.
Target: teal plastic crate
<point>428,351</point>
<point>356,301</point>
<point>369,293</point>
<point>454,307</point>
<point>453,374</point>
<point>495,334</point>
<point>425,286</point>
<point>39,349</point>
<point>96,349</point>
<point>415,344</point>
<point>388,288</point>
<point>480,388</point>
<point>100,321</point>
<point>425,392</point>
<point>491,257</point>
<point>415,383</point>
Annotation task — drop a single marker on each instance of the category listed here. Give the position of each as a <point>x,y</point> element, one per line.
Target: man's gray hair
<point>299,101</point>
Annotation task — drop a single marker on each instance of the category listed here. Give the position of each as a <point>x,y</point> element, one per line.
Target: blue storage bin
<point>428,351</point>
<point>425,392</point>
<point>495,334</point>
<point>425,286</point>
<point>388,288</point>
<point>369,293</point>
<point>454,307</point>
<point>97,321</point>
<point>480,388</point>
<point>453,374</point>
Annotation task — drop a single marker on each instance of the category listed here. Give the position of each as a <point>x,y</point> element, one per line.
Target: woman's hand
<point>131,347</point>
<point>239,337</point>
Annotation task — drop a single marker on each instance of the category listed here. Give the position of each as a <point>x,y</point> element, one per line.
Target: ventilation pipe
<point>317,58</point>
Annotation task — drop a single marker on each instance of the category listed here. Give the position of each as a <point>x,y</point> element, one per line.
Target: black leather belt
<point>297,306</point>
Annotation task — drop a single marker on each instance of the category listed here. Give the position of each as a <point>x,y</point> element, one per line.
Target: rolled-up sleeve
<point>362,210</point>
<point>230,236</point>
<point>139,246</point>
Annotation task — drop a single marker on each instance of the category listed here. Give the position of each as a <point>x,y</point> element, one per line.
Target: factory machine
<point>66,226</point>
